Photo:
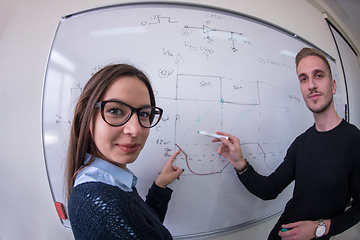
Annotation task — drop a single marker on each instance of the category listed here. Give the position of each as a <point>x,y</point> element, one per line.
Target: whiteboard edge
<point>232,229</point>
<point>198,5</point>
<point>42,123</point>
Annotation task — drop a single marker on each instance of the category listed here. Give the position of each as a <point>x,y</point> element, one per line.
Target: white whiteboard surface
<point>351,68</point>
<point>211,70</point>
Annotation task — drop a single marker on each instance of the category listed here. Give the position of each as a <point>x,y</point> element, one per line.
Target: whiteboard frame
<point>333,28</point>
<point>190,6</point>
<point>198,5</point>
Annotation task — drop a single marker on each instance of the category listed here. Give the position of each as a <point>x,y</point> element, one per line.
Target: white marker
<point>213,135</point>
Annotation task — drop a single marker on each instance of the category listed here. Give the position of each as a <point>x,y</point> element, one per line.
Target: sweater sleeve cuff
<point>158,199</point>
<point>244,175</point>
<point>159,192</point>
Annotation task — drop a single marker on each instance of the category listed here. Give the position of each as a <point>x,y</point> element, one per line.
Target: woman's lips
<point>129,147</point>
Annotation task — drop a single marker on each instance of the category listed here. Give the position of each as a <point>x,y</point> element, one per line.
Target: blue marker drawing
<point>199,118</point>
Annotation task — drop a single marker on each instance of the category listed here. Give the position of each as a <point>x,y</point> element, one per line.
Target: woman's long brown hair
<point>80,138</point>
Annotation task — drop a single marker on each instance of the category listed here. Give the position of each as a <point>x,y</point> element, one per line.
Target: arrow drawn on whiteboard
<point>178,58</point>
<point>177,118</point>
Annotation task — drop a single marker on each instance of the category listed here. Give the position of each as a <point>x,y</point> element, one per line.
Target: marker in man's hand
<point>213,135</point>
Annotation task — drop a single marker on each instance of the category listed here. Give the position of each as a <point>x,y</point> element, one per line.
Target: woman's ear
<point>92,124</point>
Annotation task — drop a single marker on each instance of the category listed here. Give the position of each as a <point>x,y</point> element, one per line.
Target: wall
<point>26,32</point>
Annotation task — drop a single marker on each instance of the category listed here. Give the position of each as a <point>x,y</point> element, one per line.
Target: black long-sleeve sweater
<point>99,211</point>
<point>326,170</point>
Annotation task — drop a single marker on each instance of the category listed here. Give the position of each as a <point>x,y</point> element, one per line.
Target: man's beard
<point>325,107</point>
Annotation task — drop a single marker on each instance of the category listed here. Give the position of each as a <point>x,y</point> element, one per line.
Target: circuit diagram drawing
<point>207,93</point>
<point>208,31</point>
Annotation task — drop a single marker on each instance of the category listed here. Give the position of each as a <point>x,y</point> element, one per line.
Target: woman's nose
<point>133,126</point>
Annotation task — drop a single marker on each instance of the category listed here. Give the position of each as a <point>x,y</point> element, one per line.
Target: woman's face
<point>121,145</point>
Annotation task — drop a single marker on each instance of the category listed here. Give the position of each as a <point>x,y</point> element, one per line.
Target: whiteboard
<point>351,70</point>
<point>211,69</point>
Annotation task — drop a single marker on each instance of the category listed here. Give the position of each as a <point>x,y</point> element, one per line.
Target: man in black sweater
<point>324,161</point>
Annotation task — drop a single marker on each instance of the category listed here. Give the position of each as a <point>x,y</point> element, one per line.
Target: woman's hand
<point>231,149</point>
<point>169,172</point>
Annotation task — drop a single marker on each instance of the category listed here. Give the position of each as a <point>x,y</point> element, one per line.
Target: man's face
<point>316,86</point>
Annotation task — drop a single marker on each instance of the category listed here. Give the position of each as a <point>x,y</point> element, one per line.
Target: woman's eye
<point>116,111</point>
<point>144,114</point>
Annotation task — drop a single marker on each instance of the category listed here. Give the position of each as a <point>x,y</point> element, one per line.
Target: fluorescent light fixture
<point>117,31</point>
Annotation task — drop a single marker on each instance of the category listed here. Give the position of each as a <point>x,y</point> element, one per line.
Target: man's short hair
<point>305,52</point>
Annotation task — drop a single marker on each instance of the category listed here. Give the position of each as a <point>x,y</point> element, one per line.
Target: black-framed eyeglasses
<point>116,113</point>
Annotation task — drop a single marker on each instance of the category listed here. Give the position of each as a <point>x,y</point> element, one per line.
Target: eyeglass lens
<point>116,113</point>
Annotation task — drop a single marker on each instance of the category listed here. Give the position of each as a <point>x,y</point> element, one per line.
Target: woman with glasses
<point>111,123</point>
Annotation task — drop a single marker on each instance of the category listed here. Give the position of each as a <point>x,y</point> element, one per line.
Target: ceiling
<point>348,11</point>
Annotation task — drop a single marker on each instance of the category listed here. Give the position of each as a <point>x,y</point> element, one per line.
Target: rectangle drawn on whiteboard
<point>193,87</point>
